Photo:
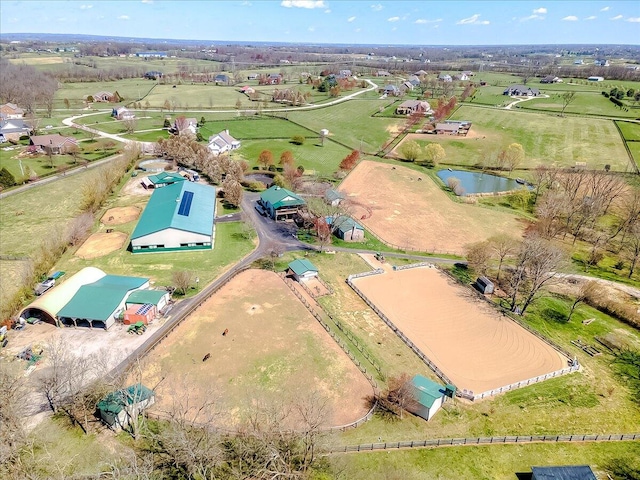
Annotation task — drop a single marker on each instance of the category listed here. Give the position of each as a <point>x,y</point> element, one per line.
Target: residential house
<point>118,408</point>
<point>595,79</point>
<point>56,143</point>
<point>521,91</point>
<point>447,129</point>
<point>102,96</point>
<point>302,269</point>
<point>468,73</point>
<point>151,54</point>
<point>578,62</point>
<point>274,79</point>
<point>601,62</point>
<point>247,90</point>
<point>428,396</point>
<point>550,79</point>
<point>419,73</point>
<point>413,106</point>
<point>462,77</point>
<point>280,203</point>
<point>10,111</point>
<point>406,86</point>
<point>443,77</point>
<point>414,80</point>
<point>183,125</point>
<point>391,90</point>
<point>252,76</point>
<point>222,79</point>
<point>222,142</point>
<point>382,73</point>
<point>123,113</point>
<point>333,197</point>
<point>153,75</point>
<point>345,73</point>
<point>13,129</point>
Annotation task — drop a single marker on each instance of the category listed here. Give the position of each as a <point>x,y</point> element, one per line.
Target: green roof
<point>281,197</point>
<point>426,391</point>
<point>146,296</point>
<point>346,224</point>
<point>166,209</point>
<point>114,402</point>
<point>332,195</point>
<point>166,178</point>
<point>301,266</point>
<point>98,300</point>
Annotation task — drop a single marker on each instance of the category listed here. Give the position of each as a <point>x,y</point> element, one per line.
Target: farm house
<point>117,408</point>
<point>161,179</point>
<point>302,269</point>
<point>428,396</point>
<point>89,298</point>
<point>177,217</point>
<point>280,203</point>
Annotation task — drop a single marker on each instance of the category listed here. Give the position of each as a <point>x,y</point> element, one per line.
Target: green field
<point>630,131</point>
<point>585,103</point>
<point>547,140</point>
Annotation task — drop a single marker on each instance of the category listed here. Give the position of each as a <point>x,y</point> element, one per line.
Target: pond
<point>154,165</point>
<point>474,182</point>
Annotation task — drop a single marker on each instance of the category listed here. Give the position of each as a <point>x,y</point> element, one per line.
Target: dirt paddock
<point>273,351</point>
<point>100,244</point>
<point>478,348</point>
<point>407,210</point>
<point>120,215</point>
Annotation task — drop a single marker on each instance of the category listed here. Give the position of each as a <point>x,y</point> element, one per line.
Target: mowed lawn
<point>274,353</point>
<point>351,123</point>
<point>585,103</point>
<point>547,139</point>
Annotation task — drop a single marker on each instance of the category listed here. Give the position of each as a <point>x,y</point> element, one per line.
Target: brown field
<point>274,351</point>
<point>418,215</point>
<point>37,60</point>
<point>478,348</point>
<point>100,244</point>
<point>120,215</point>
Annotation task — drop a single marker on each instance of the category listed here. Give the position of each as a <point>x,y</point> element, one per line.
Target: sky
<point>335,21</point>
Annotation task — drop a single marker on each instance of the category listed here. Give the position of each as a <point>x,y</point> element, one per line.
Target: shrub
<point>6,178</point>
<point>298,140</point>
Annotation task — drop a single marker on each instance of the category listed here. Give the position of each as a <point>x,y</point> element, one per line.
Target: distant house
<point>280,203</point>
<point>183,125</point>
<point>13,129</point>
<point>567,472</point>
<point>151,54</point>
<point>10,111</point>
<point>161,179</point>
<point>409,107</point>
<point>601,62</point>
<point>447,129</point>
<point>595,79</point>
<point>222,79</point>
<point>153,75</point>
<point>247,90</point>
<point>382,73</point>
<point>443,77</point>
<point>118,408</point>
<point>414,80</point>
<point>56,143</point>
<point>274,79</point>
<point>391,90</point>
<point>348,229</point>
<point>485,285</point>
<point>252,76</point>
<point>123,113</point>
<point>333,197</point>
<point>468,73</point>
<point>102,96</point>
<point>302,269</point>
<point>222,142</point>
<point>419,73</point>
<point>521,91</point>
<point>551,79</point>
<point>578,62</point>
<point>462,77</point>
<point>428,396</point>
<point>345,73</point>
<point>406,86</point>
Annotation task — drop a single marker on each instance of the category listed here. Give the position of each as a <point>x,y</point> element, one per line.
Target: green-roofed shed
<point>97,304</point>
<point>162,179</point>
<point>428,397</point>
<point>159,298</point>
<point>303,269</point>
<point>117,408</point>
<point>177,217</point>
<point>349,230</point>
<point>280,203</point>
<point>333,197</point>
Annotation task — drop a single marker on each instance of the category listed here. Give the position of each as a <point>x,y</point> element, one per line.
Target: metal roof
<point>98,300</point>
<point>566,472</point>
<point>114,402</point>
<point>164,207</point>
<point>302,266</point>
<point>146,296</point>
<point>426,391</point>
<point>166,178</point>
<point>346,224</point>
<point>281,197</point>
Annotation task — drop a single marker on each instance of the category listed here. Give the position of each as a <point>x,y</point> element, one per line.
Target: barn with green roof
<point>428,396</point>
<point>119,407</point>
<point>302,269</point>
<point>162,179</point>
<point>178,217</point>
<point>280,203</point>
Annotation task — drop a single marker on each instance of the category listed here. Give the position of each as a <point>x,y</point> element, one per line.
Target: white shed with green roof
<point>428,396</point>
<point>280,203</point>
<point>178,217</point>
<point>302,269</point>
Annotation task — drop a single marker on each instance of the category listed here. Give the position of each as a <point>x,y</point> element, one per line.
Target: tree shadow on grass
<point>554,316</point>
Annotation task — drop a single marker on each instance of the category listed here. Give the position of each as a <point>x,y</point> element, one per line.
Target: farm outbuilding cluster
<point>178,217</point>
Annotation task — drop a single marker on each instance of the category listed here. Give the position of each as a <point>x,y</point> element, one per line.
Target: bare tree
<point>503,246</point>
<point>567,99</point>
<point>585,291</point>
<point>182,280</point>
<point>400,392</point>
<point>233,191</point>
<point>632,247</point>
<point>12,393</point>
<point>478,256</point>
<point>79,228</point>
<point>130,124</point>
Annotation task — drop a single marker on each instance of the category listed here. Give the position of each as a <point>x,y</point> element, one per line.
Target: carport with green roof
<point>177,217</point>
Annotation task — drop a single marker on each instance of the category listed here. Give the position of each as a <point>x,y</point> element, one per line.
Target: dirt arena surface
<point>416,214</point>
<point>274,352</point>
<point>475,346</point>
<point>120,215</point>
<point>100,244</point>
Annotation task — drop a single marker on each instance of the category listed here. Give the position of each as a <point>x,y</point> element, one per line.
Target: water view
<point>474,182</point>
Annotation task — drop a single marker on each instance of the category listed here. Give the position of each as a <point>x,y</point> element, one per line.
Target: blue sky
<point>335,21</point>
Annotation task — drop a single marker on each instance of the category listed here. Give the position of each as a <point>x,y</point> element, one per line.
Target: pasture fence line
<point>368,273</point>
<point>523,383</point>
<point>414,265</point>
<point>632,160</point>
<point>370,378</point>
<point>313,294</point>
<point>474,441</point>
<point>432,250</point>
<point>441,375</point>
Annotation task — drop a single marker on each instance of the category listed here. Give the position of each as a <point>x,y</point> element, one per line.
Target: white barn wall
<point>171,238</point>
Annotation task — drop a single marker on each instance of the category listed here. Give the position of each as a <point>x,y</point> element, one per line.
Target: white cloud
<point>376,7</point>
<point>540,11</point>
<point>592,17</point>
<point>473,20</point>
<point>246,4</point>
<point>393,19</point>
<point>423,21</point>
<point>351,19</point>
<point>633,19</point>
<point>85,7</point>
<point>570,18</point>
<point>617,17</point>
<point>148,2</point>
<point>605,9</point>
<point>303,4</point>
<point>123,17</point>
<point>532,17</point>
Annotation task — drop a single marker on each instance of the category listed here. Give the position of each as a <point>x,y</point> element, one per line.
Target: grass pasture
<point>547,139</point>
<point>585,103</point>
<point>274,352</point>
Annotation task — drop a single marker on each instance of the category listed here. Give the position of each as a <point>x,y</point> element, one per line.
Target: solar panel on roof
<point>185,204</point>
<point>144,309</point>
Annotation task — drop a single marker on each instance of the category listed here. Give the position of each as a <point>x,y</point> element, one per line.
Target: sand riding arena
<point>100,244</point>
<point>475,346</point>
<point>120,215</point>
